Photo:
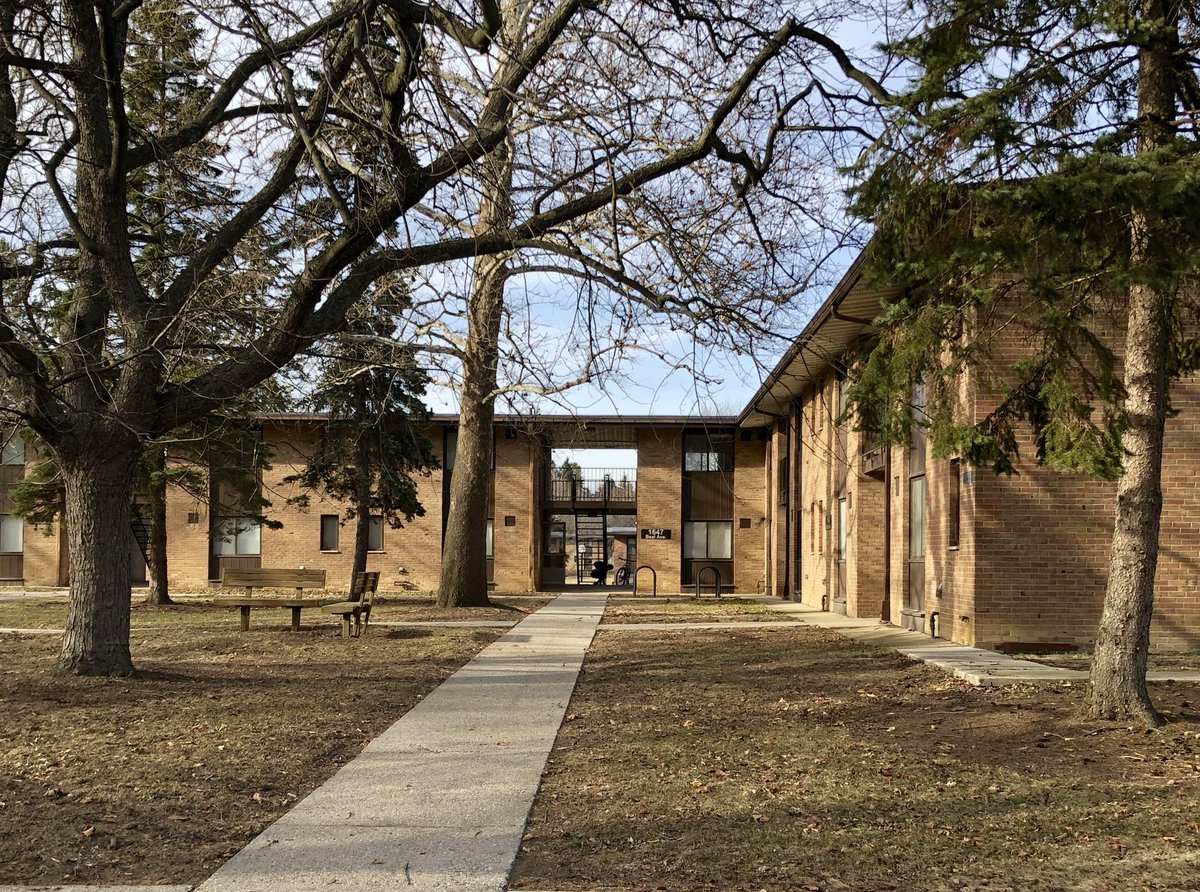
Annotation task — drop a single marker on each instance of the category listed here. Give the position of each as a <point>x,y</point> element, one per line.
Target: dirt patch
<point>784,760</point>
<point>162,777</point>
<point>689,610</point>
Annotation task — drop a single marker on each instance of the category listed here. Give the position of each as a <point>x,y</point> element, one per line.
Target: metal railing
<point>592,485</point>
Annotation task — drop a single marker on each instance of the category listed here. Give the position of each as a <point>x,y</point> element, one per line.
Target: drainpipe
<point>887,534</point>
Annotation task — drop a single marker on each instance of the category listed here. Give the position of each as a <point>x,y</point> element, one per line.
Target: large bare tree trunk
<point>98,491</point>
<point>1117,685</point>
<point>156,553</point>
<point>464,552</point>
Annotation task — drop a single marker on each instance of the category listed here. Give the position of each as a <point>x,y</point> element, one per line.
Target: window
<point>490,541</point>
<point>451,448</point>
<point>708,540</point>
<point>330,528</point>
<point>916,528</point>
<point>781,477</point>
<point>955,502</point>
<point>708,452</point>
<point>14,451</point>
<point>12,534</point>
<point>843,528</point>
<point>236,536</point>
<point>375,533</point>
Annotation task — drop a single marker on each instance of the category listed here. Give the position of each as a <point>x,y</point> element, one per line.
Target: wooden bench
<point>250,579</point>
<point>358,605</point>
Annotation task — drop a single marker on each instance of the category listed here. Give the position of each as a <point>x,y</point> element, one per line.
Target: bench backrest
<point>365,586</point>
<point>264,578</point>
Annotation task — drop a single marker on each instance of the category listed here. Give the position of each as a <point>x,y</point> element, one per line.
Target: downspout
<point>887,534</point>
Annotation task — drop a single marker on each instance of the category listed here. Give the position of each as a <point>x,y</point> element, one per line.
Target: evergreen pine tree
<point>370,445</point>
<point>1041,174</point>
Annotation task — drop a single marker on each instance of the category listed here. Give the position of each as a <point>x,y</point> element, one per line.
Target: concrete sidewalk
<point>439,800</point>
<point>972,664</point>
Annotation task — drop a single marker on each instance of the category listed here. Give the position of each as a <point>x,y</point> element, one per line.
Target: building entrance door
<point>914,601</point>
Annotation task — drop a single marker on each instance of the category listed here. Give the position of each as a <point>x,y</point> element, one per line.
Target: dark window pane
<point>329,532</point>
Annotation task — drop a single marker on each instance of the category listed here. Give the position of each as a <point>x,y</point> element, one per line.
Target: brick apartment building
<point>781,500</point>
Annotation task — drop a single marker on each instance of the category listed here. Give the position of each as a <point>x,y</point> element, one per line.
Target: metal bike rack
<point>653,579</point>
<point>716,578</point>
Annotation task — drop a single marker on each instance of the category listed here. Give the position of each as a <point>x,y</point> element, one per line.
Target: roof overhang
<point>845,317</point>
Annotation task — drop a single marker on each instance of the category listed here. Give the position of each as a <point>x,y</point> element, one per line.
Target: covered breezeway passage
<point>589,507</point>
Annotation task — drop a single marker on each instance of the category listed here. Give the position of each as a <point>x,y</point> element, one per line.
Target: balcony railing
<point>592,485</point>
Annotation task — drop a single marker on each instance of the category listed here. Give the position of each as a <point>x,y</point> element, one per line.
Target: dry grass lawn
<point>36,613</point>
<point>688,610</point>
<point>801,760</point>
<point>161,777</point>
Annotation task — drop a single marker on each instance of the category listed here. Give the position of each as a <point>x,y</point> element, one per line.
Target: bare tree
<point>336,127</point>
<point>701,141</point>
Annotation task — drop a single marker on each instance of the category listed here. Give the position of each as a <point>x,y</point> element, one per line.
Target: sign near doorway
<point>656,533</point>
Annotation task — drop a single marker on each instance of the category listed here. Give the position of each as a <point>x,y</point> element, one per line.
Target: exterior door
<point>917,505</point>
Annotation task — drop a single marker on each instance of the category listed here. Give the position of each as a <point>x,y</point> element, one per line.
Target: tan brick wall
<point>41,546</point>
<point>750,502</point>
<point>187,543</point>
<point>415,547</point>
<point>865,545</point>
<point>817,441</point>
<point>776,449</point>
<point>513,546</point>
<point>660,503</point>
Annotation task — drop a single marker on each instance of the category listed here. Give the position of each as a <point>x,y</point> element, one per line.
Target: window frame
<point>219,537</point>
<point>12,519</point>
<point>716,456</point>
<point>954,506</point>
<point>13,440</point>
<point>375,532</point>
<point>709,526</point>
<point>914,515</point>
<point>337,533</point>
<point>843,529</point>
